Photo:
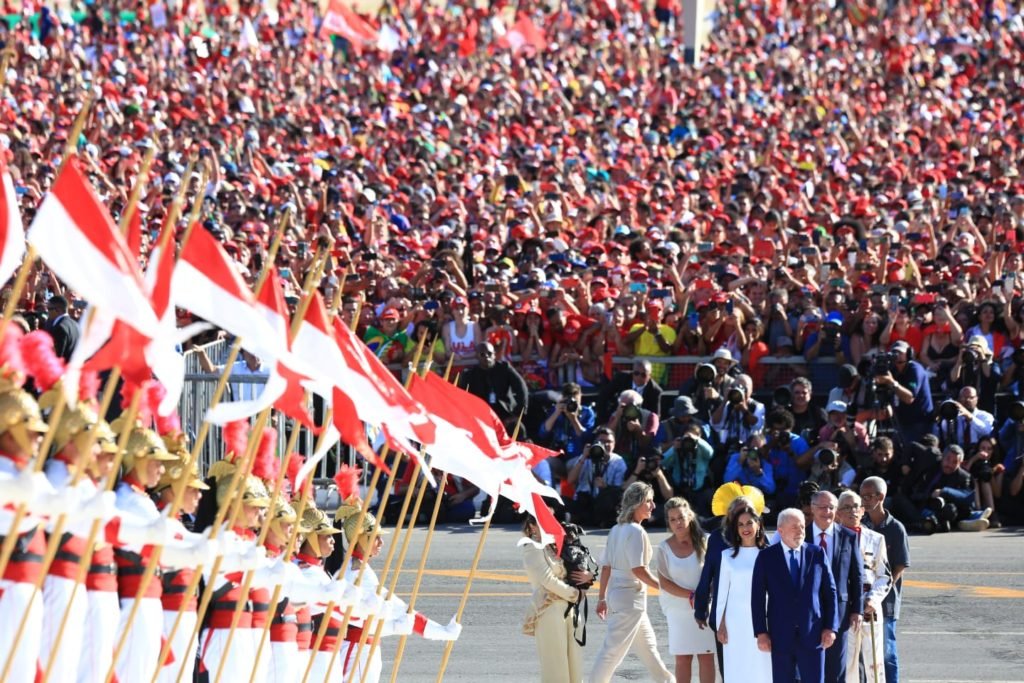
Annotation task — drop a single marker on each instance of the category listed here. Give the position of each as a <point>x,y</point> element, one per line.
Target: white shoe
<point>979,524</point>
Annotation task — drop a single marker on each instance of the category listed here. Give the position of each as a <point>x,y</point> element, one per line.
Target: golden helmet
<point>183,472</point>
<point>142,445</point>
<point>281,512</point>
<point>77,426</point>
<point>19,415</point>
<point>348,516</point>
<point>315,524</point>
<point>253,491</point>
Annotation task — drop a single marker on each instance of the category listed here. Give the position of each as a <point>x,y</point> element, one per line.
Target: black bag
<point>576,556</point>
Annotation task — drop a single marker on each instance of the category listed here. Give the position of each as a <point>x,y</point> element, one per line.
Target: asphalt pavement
<point>962,609</point>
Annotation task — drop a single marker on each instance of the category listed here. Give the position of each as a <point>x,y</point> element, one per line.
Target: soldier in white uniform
<point>877,583</point>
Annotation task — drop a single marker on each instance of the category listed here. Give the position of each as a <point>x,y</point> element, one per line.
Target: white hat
<point>723,353</point>
<point>836,407</point>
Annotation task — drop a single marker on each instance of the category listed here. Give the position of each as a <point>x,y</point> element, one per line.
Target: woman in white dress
<point>680,558</point>
<point>624,581</point>
<point>744,663</point>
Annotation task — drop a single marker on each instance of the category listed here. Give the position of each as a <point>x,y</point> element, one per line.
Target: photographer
<point>682,415</point>
<point>829,467</point>
<point>951,494</point>
<point>808,419</point>
<point>634,427</point>
<point>907,381</point>
<point>738,417</point>
<point>639,380</point>
<point>845,434</point>
<point>710,381</point>
<point>748,467</point>
<point>597,475</point>
<point>649,470</point>
<point>974,369</point>
<point>686,464</point>
<point>962,422</point>
<point>781,450</point>
<point>980,462</point>
<point>568,426</point>
<point>827,343</point>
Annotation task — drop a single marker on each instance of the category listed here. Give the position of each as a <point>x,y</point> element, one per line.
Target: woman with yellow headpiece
<point>397,620</point>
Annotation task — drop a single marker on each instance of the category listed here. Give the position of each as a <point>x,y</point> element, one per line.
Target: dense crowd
<point>826,212</point>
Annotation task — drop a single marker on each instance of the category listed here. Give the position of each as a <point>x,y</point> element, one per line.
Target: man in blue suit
<point>842,550</point>
<point>793,603</point>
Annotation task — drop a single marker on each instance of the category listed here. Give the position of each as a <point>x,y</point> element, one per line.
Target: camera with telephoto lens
<point>782,397</point>
<point>828,457</point>
<point>688,445</point>
<point>735,396</point>
<point>882,364</point>
<point>780,438</point>
<point>571,405</point>
<point>948,410</point>
<point>705,373</point>
<point>971,358</point>
<point>598,454</point>
<point>751,456</point>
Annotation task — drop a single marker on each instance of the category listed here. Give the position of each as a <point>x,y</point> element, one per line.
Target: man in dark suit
<point>640,381</point>
<point>793,603</point>
<point>498,383</point>
<point>842,549</point>
<point>61,327</point>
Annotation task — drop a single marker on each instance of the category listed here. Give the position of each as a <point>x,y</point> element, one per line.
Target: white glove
<point>372,603</point>
<point>99,506</point>
<point>434,630</point>
<point>337,592</point>
<point>402,626</point>
<point>395,608</point>
<point>23,488</point>
<point>255,557</point>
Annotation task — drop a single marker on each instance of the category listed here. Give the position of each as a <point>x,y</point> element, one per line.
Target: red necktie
<point>822,543</point>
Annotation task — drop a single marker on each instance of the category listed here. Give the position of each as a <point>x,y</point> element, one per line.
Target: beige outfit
<point>858,642</point>
<point>548,618</point>
<point>629,627</point>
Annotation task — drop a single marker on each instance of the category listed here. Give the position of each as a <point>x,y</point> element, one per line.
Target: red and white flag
<point>207,283</point>
<point>74,234</point>
<point>341,20</point>
<point>12,233</point>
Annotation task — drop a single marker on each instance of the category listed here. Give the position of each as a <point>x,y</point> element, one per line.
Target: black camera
<point>751,456</point>
<point>882,364</point>
<point>948,410</point>
<point>688,445</point>
<point>828,457</point>
<point>705,373</point>
<point>982,471</point>
<point>571,405</point>
<point>598,453</point>
<point>783,397</point>
<point>735,396</point>
<point>780,437</point>
<point>971,357</point>
<point>831,332</point>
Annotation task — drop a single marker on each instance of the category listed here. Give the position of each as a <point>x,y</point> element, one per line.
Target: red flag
<point>523,35</point>
<point>547,522</point>
<point>341,20</point>
<point>134,237</point>
<point>12,233</point>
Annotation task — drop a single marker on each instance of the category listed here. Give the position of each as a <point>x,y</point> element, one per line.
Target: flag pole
<point>364,508</point>
<point>204,427</point>
<point>233,502</point>
<point>400,650</point>
<point>58,530</point>
<point>472,570</point>
<point>313,278</point>
<point>7,547</point>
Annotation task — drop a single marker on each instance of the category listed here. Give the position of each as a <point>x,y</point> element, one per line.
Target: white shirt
<point>829,539</point>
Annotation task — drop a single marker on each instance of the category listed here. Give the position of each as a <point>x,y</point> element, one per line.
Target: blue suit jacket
<point>793,616</point>
<point>847,570</point>
<point>709,578</point>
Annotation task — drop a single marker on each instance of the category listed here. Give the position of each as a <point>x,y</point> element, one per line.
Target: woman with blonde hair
<point>680,559</point>
<point>549,617</point>
<point>624,581</point>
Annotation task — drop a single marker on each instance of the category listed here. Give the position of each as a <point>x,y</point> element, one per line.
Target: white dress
<point>744,663</point>
<point>684,636</point>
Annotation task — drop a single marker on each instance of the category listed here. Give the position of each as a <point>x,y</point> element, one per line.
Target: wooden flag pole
<point>364,508</point>
<point>7,547</point>
<point>204,430</point>
<point>472,572</point>
<point>241,473</point>
<point>312,280</point>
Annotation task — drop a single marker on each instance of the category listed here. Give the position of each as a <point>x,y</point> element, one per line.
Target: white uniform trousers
<point>858,648</point>
<point>142,642</point>
<point>240,656</point>
<point>14,600</point>
<point>322,661</point>
<point>58,594</point>
<point>102,616</point>
<point>183,646</point>
<point>370,667</point>
<point>629,630</point>
<point>265,658</point>
<point>284,662</point>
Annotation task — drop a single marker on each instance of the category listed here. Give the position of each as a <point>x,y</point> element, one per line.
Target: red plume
<point>347,480</point>
<point>41,361</point>
<point>88,386</point>
<point>168,424</point>
<point>295,462</point>
<point>265,466</point>
<point>236,436</point>
<point>147,406</point>
<point>10,354</point>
